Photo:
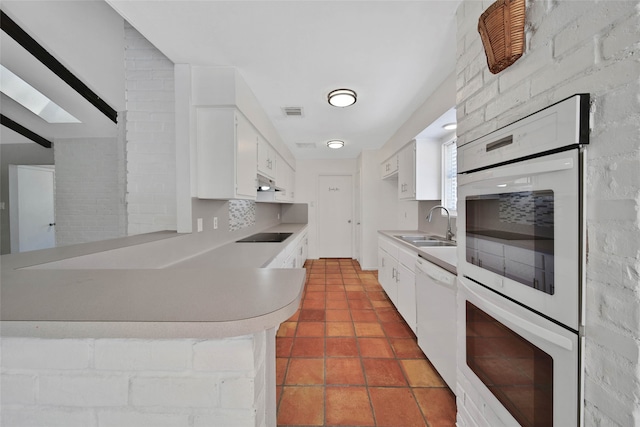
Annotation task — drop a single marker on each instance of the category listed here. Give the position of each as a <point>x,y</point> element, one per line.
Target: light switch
<point>215,222</point>
<point>199,225</point>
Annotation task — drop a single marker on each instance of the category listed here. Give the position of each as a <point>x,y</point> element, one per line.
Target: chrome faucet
<point>449,232</point>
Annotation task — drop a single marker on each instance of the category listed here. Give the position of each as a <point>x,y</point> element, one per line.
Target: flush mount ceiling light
<point>342,97</point>
<point>335,144</point>
<point>450,126</point>
<point>32,99</point>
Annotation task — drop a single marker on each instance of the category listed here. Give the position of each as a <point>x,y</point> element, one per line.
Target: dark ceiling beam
<point>7,122</point>
<point>26,41</point>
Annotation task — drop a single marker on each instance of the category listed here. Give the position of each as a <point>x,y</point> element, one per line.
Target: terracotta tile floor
<point>347,358</point>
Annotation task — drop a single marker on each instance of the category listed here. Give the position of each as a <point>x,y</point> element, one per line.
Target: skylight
<point>29,97</point>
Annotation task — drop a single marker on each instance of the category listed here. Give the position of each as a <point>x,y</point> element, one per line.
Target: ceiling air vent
<point>305,145</point>
<point>292,111</point>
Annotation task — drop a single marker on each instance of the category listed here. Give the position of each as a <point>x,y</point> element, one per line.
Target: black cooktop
<point>265,238</point>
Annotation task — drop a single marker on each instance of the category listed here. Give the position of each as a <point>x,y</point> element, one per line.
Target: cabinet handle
<point>397,276</point>
<point>383,262</point>
<point>393,272</point>
<point>479,262</point>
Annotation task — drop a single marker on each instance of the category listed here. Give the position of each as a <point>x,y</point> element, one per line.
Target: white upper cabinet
<point>285,181</point>
<point>419,166</point>
<point>267,162</point>
<point>226,154</point>
<point>389,167</point>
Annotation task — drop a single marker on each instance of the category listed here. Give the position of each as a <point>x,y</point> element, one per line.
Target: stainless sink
<point>412,237</point>
<point>434,242</point>
<point>423,240</point>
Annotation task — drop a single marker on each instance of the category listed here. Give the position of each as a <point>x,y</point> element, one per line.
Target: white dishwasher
<point>436,318</point>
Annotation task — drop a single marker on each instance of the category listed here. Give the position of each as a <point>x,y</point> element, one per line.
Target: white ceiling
<point>394,54</point>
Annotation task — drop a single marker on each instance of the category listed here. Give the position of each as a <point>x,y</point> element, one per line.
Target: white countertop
<point>443,256</point>
<point>217,293</point>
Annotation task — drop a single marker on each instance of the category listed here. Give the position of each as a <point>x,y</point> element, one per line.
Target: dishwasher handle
<point>436,273</point>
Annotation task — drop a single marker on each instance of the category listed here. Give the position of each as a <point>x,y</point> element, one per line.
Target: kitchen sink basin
<point>434,242</point>
<point>423,240</point>
<point>412,237</point>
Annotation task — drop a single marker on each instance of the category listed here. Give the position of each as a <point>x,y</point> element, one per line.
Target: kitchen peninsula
<point>132,331</point>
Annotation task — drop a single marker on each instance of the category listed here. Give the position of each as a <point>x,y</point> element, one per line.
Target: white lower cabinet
<point>396,274</point>
<point>406,278</point>
<point>294,255</point>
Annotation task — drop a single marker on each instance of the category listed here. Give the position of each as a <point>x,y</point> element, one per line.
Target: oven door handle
<point>517,170</point>
<point>538,331</point>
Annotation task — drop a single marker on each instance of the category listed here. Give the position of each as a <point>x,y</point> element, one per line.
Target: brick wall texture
<point>580,47</point>
<point>90,195</point>
<point>133,382</point>
<point>150,134</point>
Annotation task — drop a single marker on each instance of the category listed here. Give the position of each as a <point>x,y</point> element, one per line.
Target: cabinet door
<point>246,184</point>
<point>407,172</point>
<point>406,280</point>
<point>226,160</point>
<point>266,158</point>
<point>387,272</point>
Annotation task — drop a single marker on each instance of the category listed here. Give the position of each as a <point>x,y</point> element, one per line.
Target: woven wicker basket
<point>501,28</point>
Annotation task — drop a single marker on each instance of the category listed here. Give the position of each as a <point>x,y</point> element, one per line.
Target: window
<point>450,176</point>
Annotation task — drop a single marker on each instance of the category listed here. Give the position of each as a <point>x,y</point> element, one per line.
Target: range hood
<point>266,184</point>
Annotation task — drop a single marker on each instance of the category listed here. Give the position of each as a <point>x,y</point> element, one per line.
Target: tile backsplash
<point>530,208</point>
<point>242,214</point>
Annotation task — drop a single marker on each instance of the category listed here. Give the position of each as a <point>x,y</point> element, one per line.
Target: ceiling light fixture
<point>450,126</point>
<point>32,99</point>
<point>335,144</point>
<point>342,97</point>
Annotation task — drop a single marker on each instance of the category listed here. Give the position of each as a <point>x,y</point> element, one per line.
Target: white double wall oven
<point>521,260</point>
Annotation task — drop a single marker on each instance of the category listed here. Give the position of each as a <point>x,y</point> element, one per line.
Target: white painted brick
<point>141,419</point>
<point>610,405</point>
<point>224,355</point>
<point>17,389</point>
<point>622,37</point>
<point>596,17</point>
<point>226,418</point>
<point>35,353</point>
<point>169,355</point>
<point>482,97</point>
<point>470,87</point>
<point>174,391</point>
<point>237,393</point>
<point>559,72</point>
<point>514,97</point>
<point>39,417</point>
<point>86,390</point>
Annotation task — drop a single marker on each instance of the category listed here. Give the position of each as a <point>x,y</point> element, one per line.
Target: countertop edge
<point>152,329</point>
<point>429,254</point>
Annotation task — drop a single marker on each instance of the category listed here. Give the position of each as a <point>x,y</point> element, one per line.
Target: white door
<point>358,218</point>
<point>335,216</point>
<point>32,215</point>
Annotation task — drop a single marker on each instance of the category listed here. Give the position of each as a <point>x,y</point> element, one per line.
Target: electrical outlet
<point>199,225</point>
<point>215,222</point>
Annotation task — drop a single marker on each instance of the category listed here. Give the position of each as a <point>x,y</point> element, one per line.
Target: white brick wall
<point>90,200</point>
<point>578,47</point>
<point>150,127</point>
<point>134,382</point>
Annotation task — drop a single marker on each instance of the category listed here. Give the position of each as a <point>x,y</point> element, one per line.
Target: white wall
<point>580,47</point>
<point>150,127</point>
<point>307,173</point>
<point>90,194</point>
